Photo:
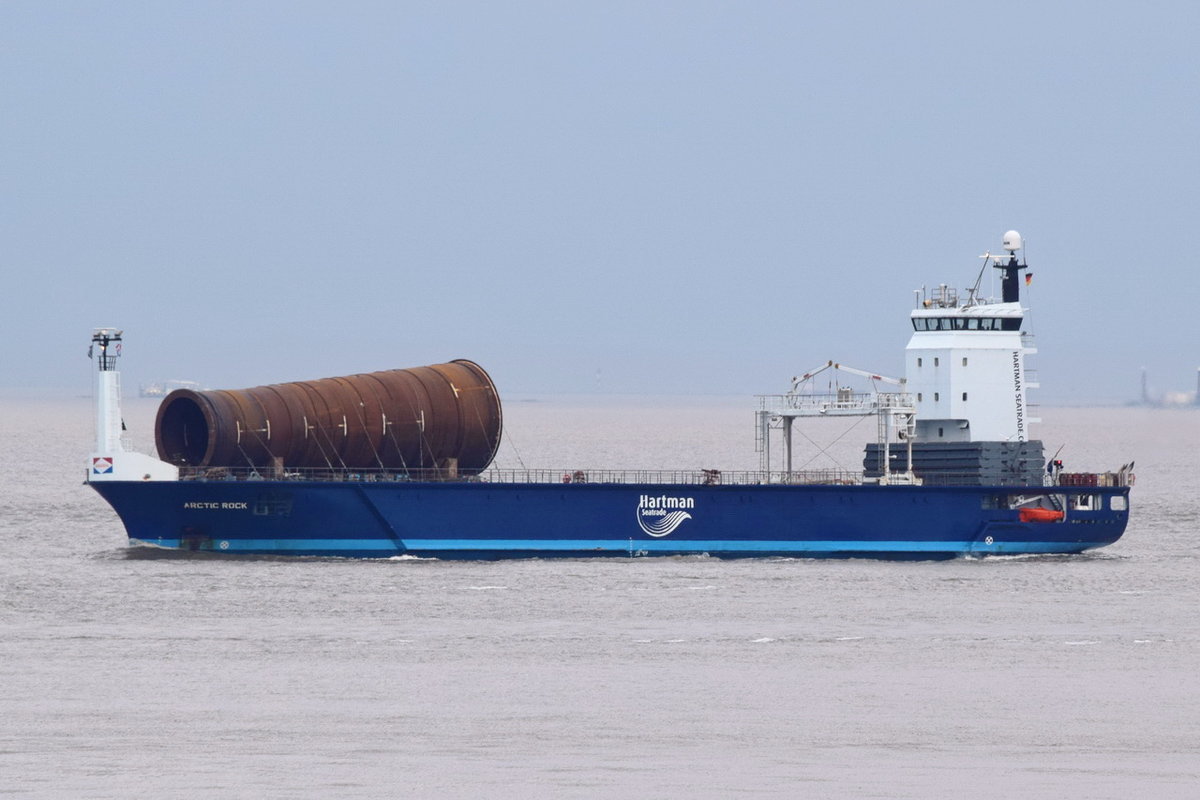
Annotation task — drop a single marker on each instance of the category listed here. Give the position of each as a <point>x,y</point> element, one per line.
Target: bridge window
<point>965,324</point>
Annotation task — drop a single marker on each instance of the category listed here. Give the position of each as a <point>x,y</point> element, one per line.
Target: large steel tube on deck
<point>442,417</point>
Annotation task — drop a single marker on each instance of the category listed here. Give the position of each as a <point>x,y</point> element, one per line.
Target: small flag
<point>1028,278</point>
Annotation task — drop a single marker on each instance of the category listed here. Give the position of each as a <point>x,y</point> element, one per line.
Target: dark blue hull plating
<point>479,520</point>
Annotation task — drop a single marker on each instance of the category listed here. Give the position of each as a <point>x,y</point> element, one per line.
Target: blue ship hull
<point>480,520</point>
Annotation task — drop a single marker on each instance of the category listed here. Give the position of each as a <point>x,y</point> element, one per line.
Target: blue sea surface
<point>144,673</point>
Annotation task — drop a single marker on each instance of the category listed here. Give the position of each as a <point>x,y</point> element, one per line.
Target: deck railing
<point>682,477</point>
<point>703,477</point>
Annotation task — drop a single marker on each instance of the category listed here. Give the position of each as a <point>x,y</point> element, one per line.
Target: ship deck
<point>680,477</point>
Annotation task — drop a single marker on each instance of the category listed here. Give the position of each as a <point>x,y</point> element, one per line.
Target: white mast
<point>111,460</point>
<point>106,348</point>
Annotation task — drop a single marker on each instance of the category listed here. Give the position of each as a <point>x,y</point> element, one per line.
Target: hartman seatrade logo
<point>661,515</point>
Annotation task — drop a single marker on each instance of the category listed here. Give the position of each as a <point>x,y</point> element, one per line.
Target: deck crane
<point>894,411</point>
<point>798,381</point>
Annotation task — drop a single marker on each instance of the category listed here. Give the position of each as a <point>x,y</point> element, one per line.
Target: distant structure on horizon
<point>1168,399</point>
<point>164,388</point>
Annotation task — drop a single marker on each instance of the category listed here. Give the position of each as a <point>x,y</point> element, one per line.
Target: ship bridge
<point>965,362</point>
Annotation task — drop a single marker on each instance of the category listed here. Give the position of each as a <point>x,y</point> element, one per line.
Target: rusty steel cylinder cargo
<point>442,417</point>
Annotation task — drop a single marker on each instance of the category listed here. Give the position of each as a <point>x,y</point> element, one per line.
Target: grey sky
<point>677,196</point>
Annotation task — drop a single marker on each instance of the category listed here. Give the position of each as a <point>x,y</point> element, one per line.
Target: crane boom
<point>853,371</point>
<point>871,375</point>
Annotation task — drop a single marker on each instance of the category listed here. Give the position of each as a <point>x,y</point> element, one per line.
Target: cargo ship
<point>399,464</point>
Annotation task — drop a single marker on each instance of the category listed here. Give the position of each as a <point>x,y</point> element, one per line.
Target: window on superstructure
<point>964,397</point>
<point>936,361</point>
<point>937,396</point>
<point>960,324</point>
<point>919,397</point>
<point>964,361</point>
<point>918,362</point>
<point>972,324</point>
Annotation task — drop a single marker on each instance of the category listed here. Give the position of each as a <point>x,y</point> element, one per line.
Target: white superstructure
<point>111,460</point>
<point>965,362</point>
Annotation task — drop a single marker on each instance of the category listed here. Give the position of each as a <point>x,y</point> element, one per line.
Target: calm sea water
<point>133,674</point>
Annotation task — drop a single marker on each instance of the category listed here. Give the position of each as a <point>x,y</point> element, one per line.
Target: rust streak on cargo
<point>443,417</point>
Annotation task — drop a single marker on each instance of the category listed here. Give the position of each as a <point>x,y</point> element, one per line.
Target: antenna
<point>973,294</point>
